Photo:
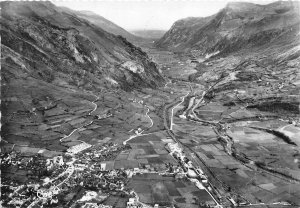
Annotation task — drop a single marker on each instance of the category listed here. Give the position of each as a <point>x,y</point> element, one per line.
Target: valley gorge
<point>205,116</point>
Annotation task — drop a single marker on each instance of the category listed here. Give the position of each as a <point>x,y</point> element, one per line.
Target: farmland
<point>153,188</point>
<point>265,168</point>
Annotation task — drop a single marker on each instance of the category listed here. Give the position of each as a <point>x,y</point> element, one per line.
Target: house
<point>58,160</point>
<point>132,203</point>
<point>129,173</point>
<point>80,167</point>
<point>102,166</point>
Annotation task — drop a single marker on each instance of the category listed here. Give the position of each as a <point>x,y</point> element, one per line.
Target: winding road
<point>77,129</point>
<point>137,134</point>
<point>151,121</point>
<point>96,106</point>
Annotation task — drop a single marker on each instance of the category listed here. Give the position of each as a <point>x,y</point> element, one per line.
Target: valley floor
<point>197,141</point>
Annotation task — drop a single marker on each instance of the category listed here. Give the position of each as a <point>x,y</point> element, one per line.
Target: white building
<point>191,173</point>
<point>233,202</point>
<point>58,160</point>
<point>102,166</point>
<point>132,203</point>
<point>78,148</point>
<point>129,173</point>
<point>182,116</point>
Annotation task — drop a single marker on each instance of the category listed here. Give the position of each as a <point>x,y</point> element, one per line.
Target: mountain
<point>181,32</point>
<point>105,24</point>
<point>54,65</point>
<point>237,26</point>
<point>149,34</point>
<point>41,41</point>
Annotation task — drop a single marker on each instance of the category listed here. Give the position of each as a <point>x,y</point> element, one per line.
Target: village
<point>52,181</point>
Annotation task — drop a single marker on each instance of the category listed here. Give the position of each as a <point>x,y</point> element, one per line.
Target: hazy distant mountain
<point>149,34</point>
<point>238,25</point>
<point>105,24</point>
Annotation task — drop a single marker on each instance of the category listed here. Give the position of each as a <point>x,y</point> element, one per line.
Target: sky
<point>149,14</point>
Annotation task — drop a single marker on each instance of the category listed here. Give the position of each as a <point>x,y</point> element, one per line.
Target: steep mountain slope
<point>54,65</point>
<point>62,43</point>
<point>238,25</point>
<point>105,24</point>
<point>181,31</point>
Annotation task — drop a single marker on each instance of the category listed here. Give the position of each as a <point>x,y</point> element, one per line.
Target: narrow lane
<point>77,129</point>
<point>151,121</point>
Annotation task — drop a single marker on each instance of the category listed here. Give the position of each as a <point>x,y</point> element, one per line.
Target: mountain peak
<point>240,4</point>
<point>42,8</point>
<point>243,7</point>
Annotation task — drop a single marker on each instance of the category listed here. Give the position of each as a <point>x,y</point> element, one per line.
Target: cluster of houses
<point>103,116</point>
<point>77,166</point>
<point>87,169</point>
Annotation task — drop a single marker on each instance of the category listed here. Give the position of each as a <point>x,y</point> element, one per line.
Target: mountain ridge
<point>70,36</point>
<point>236,24</point>
<point>105,24</point>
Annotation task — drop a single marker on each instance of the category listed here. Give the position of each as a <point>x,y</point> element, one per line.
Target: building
<point>180,175</point>
<point>78,148</point>
<point>102,166</point>
<point>191,173</point>
<point>80,167</point>
<point>204,180</point>
<point>58,160</point>
<point>132,203</point>
<point>232,201</point>
<point>129,173</point>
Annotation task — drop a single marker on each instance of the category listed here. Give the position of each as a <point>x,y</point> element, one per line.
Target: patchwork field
<point>153,188</point>
<point>147,150</point>
<point>261,146</point>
